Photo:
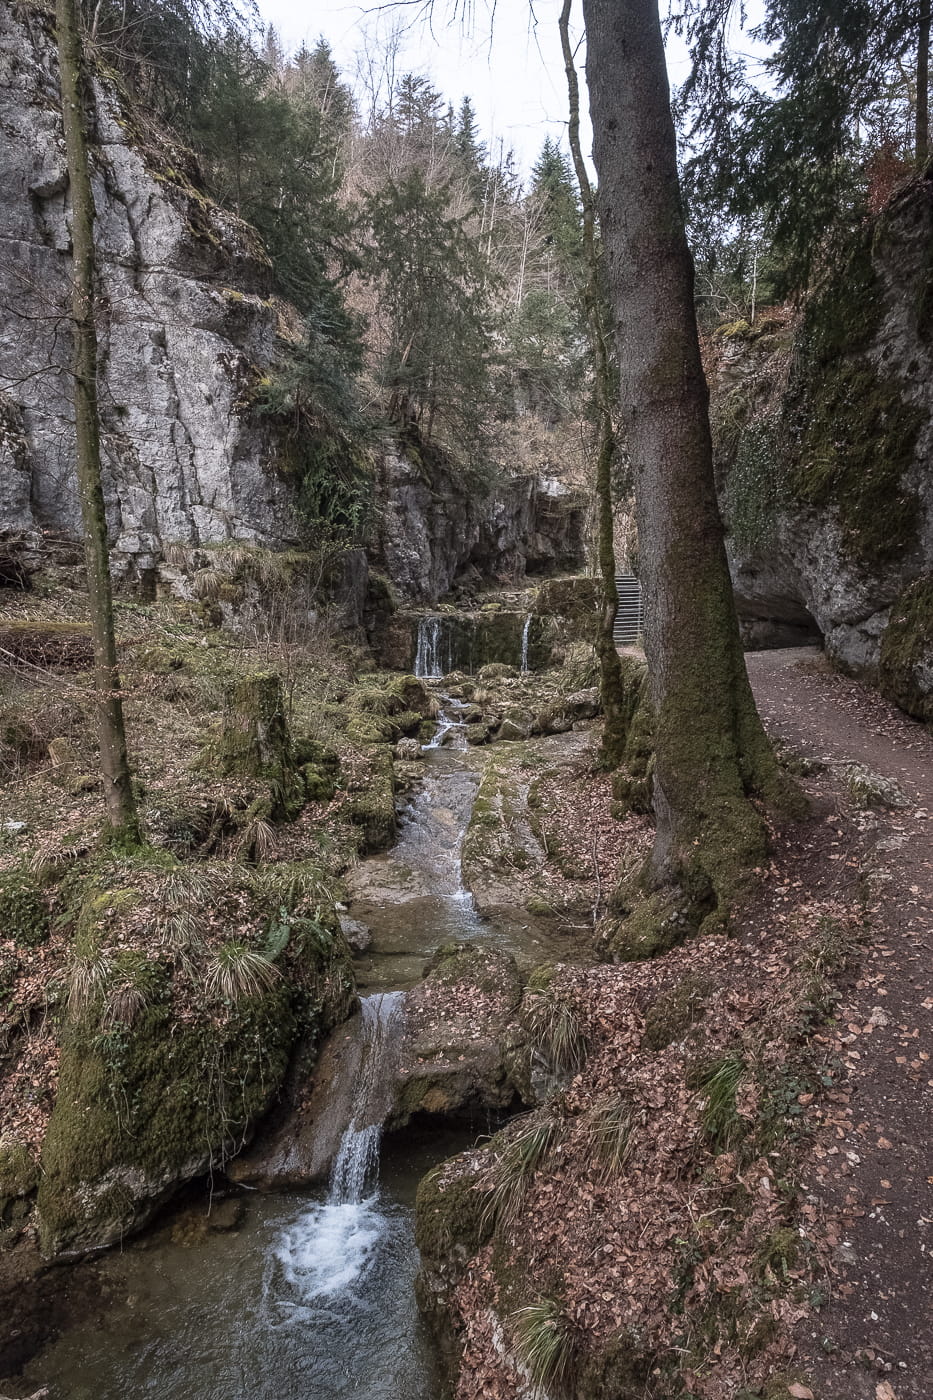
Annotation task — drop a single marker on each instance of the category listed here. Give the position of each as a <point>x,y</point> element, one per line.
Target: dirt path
<point>872,1177</point>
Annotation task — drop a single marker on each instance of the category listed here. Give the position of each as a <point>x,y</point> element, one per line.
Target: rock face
<point>186,325</point>
<point>434,527</point>
<point>826,446</point>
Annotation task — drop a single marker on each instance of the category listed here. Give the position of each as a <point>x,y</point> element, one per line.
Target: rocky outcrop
<point>436,526</point>
<point>463,1043</point>
<point>825,437</point>
<point>168,1063</point>
<point>186,325</point>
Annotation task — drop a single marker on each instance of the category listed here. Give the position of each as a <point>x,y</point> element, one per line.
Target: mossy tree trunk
<point>118,790</point>
<point>712,755</point>
<point>611,685</point>
<point>923,85</point>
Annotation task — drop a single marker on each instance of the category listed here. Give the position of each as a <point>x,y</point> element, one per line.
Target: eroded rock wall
<point>185,325</point>
<point>826,443</point>
<point>434,527</point>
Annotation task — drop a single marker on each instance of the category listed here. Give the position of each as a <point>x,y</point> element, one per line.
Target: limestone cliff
<point>185,325</point>
<point>825,435</point>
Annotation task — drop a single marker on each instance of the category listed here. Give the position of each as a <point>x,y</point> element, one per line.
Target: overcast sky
<point>514,75</point>
<point>509,63</point>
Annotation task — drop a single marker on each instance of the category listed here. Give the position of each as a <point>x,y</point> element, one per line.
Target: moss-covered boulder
<point>905,671</point>
<point>19,1177</point>
<point>461,1030</point>
<point>370,803</point>
<point>256,743</point>
<point>563,714</point>
<point>24,913</point>
<point>189,992</point>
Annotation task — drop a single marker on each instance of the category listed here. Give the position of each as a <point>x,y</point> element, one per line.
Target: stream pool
<point>305,1300</point>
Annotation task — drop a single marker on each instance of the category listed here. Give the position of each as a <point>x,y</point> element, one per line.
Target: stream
<point>310,1295</point>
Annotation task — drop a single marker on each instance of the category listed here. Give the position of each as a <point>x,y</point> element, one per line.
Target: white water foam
<point>327,1250</point>
<point>332,1245</point>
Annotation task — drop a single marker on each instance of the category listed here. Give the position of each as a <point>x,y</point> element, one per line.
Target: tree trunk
<point>611,683</point>
<point>923,85</point>
<point>711,751</point>
<point>118,791</point>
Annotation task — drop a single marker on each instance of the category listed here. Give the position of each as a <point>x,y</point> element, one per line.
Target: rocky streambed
<point>297,1288</point>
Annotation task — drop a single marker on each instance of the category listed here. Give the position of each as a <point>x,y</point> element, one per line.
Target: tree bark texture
<point>923,85</point>
<point>711,750</point>
<point>611,681</point>
<point>118,791</point>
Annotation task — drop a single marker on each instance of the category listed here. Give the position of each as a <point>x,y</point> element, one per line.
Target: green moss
<point>19,1174</point>
<point>851,432</point>
<point>24,914</point>
<point>371,809</point>
<point>450,1210</point>
<point>905,668</point>
<point>148,1101</point>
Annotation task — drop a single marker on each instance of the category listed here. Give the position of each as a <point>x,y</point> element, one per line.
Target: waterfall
<point>358,1158</point>
<point>427,652</point>
<point>525,632</point>
<point>332,1245</point>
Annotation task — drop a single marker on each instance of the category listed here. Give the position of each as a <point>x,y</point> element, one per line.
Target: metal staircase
<point>630,615</point>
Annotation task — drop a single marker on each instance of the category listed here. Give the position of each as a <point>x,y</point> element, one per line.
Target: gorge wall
<point>825,444</point>
<point>185,325</point>
<point>187,328</point>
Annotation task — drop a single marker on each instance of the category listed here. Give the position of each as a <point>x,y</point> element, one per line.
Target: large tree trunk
<point>611,682</point>
<point>118,791</point>
<point>711,751</point>
<point>923,84</point>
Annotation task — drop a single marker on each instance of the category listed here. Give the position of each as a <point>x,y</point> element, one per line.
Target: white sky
<point>511,67</point>
<point>515,79</point>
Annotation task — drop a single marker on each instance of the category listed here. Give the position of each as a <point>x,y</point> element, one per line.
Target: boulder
<point>461,1033</point>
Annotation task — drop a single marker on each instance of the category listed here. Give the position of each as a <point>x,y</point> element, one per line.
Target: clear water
<point>311,1298</point>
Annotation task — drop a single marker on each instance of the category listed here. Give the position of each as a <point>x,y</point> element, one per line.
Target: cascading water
<point>306,1299</point>
<point>526,630</point>
<point>428,650</point>
<point>332,1244</point>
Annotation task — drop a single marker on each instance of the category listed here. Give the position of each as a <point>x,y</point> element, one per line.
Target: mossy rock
<point>19,1173</point>
<point>24,914</point>
<point>371,809</point>
<point>451,1216</point>
<point>478,733</point>
<point>905,668</point>
<point>149,1100</point>
<point>851,429</point>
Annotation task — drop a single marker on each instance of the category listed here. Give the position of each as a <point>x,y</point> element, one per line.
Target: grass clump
<point>609,1125</point>
<point>236,971</point>
<point>546,1342</point>
<point>719,1083</point>
<point>522,1153</point>
<point>557,1032</point>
